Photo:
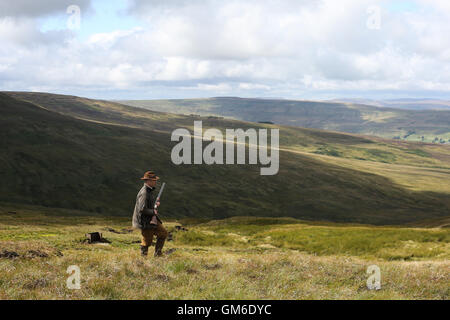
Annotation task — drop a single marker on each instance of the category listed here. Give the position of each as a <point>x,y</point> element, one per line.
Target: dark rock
<point>96,237</point>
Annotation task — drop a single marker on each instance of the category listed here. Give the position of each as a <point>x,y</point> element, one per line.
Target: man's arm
<point>147,212</point>
<point>143,209</point>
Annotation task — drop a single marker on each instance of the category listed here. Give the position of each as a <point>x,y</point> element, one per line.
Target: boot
<point>158,247</point>
<point>144,250</point>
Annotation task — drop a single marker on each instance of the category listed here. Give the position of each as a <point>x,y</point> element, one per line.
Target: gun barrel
<point>160,193</point>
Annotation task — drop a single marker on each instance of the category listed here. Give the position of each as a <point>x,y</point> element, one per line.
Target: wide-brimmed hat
<point>150,175</point>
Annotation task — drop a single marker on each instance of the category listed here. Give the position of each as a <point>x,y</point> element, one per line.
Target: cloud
<point>277,48</point>
<point>26,8</point>
<point>25,33</point>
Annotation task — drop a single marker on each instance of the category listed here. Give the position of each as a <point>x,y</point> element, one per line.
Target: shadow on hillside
<point>54,160</point>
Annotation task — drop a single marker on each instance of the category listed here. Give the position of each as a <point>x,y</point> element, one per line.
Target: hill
<point>392,123</point>
<point>409,104</point>
<point>77,153</point>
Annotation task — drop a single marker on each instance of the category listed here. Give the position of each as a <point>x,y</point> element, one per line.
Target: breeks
<point>147,234</point>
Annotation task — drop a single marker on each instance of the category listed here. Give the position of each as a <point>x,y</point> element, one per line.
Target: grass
<point>236,258</point>
<point>419,153</point>
<point>86,156</point>
<point>408,125</point>
<point>328,151</point>
<point>389,243</point>
<point>51,157</point>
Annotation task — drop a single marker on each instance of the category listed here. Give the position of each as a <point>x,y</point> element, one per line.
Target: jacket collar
<point>149,188</point>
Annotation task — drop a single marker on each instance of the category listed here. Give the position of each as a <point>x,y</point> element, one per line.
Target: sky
<point>161,49</point>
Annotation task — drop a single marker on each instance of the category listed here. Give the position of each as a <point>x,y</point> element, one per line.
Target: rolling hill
<point>409,104</point>
<point>392,123</point>
<point>77,153</point>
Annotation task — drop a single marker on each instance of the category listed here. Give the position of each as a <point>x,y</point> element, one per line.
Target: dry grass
<point>212,262</point>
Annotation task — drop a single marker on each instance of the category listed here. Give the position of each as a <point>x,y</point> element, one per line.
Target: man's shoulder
<point>143,191</point>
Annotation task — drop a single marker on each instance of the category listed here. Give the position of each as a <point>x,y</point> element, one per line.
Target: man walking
<point>144,211</point>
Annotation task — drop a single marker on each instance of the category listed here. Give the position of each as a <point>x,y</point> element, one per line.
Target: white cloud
<point>288,48</point>
<point>25,33</point>
<point>253,86</point>
<point>220,87</point>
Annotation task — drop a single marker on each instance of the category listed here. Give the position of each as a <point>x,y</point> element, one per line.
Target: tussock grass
<point>236,258</point>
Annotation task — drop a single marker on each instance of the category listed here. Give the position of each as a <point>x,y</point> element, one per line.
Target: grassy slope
<point>409,104</point>
<point>344,117</point>
<point>292,138</point>
<point>56,160</point>
<point>237,258</point>
<point>295,138</point>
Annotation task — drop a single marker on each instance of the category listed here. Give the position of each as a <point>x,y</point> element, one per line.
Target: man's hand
<point>155,211</point>
<point>157,204</point>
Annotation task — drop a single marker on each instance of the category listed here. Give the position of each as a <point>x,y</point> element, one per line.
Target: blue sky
<point>401,6</point>
<point>136,49</point>
<point>103,16</point>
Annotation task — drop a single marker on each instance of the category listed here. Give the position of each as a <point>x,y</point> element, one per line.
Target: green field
<point>236,258</point>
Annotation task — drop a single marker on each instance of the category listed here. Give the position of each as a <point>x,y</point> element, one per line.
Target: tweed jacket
<point>143,209</point>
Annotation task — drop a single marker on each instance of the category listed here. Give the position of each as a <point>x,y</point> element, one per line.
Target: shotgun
<point>155,217</point>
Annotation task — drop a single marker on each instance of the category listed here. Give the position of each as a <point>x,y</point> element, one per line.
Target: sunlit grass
<point>237,258</point>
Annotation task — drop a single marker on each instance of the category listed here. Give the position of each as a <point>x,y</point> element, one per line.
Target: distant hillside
<point>409,104</point>
<point>77,153</point>
<point>410,125</point>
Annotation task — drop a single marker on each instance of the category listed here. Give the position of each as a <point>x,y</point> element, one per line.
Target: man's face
<point>150,183</point>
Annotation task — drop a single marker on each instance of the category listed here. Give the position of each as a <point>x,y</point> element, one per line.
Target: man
<point>144,211</point>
